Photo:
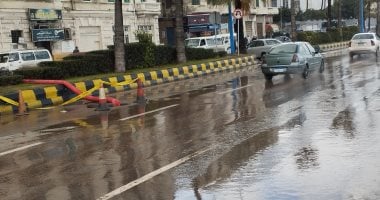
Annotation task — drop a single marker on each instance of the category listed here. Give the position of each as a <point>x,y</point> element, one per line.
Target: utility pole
<point>231,29</point>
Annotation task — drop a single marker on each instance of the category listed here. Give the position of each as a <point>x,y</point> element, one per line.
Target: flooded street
<point>231,135</point>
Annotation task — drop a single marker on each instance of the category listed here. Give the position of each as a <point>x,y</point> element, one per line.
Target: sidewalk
<point>57,94</point>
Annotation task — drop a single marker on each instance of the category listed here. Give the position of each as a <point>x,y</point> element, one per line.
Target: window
<point>144,28</point>
<point>363,36</point>
<point>16,34</point>
<point>27,56</point>
<point>4,58</point>
<point>203,42</point>
<point>257,44</point>
<point>67,33</point>
<point>40,55</point>
<point>14,57</point>
<point>195,2</point>
<point>257,3</point>
<point>311,48</point>
<point>274,3</point>
<point>286,48</point>
<point>304,50</point>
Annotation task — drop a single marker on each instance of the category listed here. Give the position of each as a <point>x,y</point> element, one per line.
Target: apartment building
<point>60,25</point>
<point>205,19</point>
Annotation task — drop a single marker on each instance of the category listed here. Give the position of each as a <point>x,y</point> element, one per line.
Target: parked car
<point>364,43</point>
<point>23,58</point>
<point>261,46</point>
<point>283,39</point>
<point>216,42</point>
<point>292,58</point>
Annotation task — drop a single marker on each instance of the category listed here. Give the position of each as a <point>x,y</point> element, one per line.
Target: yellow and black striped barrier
<point>59,95</point>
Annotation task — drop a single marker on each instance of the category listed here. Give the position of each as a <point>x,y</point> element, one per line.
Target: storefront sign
<point>45,14</point>
<point>40,35</point>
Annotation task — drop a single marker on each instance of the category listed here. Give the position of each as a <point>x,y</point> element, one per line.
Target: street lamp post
<point>230,28</point>
<point>361,13</point>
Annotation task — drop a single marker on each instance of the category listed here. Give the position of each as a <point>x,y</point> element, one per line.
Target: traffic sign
<point>238,13</point>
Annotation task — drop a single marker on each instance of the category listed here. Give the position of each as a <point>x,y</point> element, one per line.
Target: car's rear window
<point>362,36</point>
<point>286,48</point>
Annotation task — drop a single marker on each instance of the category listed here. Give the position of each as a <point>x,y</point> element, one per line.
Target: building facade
<point>60,25</point>
<point>205,19</point>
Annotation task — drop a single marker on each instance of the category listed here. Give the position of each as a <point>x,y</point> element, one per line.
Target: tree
<point>378,18</point>
<point>339,2</point>
<point>293,21</point>
<point>179,32</point>
<point>329,18</point>
<point>119,38</point>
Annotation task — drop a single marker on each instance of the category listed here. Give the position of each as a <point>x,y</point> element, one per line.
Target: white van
<point>216,42</point>
<point>23,58</point>
<point>207,42</point>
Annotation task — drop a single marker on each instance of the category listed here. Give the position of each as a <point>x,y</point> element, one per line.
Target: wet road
<point>225,136</point>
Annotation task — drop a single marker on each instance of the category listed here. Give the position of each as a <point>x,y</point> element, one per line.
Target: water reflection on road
<point>286,139</point>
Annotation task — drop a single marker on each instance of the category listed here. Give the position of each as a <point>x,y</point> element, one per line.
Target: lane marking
<point>239,88</point>
<point>20,148</point>
<point>151,175</point>
<point>152,111</point>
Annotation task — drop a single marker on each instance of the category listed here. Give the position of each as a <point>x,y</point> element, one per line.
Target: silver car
<point>292,58</point>
<point>260,47</point>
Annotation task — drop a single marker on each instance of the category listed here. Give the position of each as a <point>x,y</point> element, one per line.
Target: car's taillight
<point>349,44</point>
<point>372,43</point>
<point>295,58</point>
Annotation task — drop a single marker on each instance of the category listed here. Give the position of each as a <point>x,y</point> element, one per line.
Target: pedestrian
<point>76,50</point>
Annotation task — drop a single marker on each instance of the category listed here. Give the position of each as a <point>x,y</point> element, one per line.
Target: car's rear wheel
<point>322,67</point>
<point>306,72</point>
<point>268,77</point>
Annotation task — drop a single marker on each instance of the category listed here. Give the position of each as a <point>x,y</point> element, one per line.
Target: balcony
<point>265,11</point>
<point>148,7</point>
<point>206,9</point>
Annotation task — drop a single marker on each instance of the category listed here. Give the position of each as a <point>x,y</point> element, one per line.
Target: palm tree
<point>378,18</point>
<point>179,32</point>
<point>293,20</point>
<point>119,38</point>
<point>329,14</point>
<point>339,13</point>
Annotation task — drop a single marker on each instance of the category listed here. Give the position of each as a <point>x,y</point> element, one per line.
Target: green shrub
<point>165,55</point>
<point>331,36</point>
<point>10,80</point>
<point>41,73</point>
<point>199,53</point>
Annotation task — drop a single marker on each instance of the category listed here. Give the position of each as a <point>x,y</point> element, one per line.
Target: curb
<point>333,46</point>
<point>55,95</point>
